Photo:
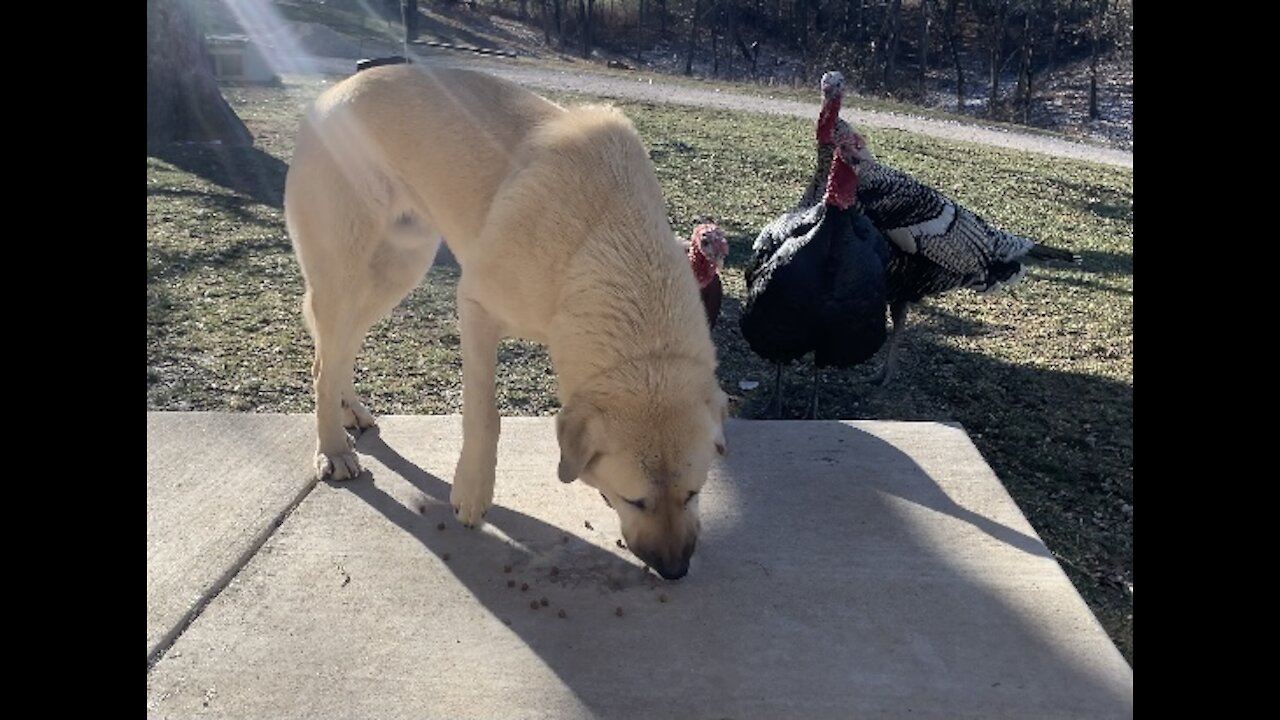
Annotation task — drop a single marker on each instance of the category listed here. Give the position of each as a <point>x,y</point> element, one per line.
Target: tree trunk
<point>1024,76</point>
<point>585,8</point>
<point>891,32</point>
<point>693,36</point>
<point>715,41</point>
<point>409,16</point>
<point>951,31</point>
<point>183,99</point>
<point>997,45</point>
<point>924,43</point>
<point>639,32</point>
<point>559,25</point>
<point>1053,35</point>
<point>1099,12</point>
<point>546,22</point>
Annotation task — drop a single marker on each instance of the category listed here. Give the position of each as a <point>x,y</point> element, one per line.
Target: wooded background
<point>883,46</point>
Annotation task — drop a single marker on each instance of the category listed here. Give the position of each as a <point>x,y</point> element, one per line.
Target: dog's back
<point>414,138</point>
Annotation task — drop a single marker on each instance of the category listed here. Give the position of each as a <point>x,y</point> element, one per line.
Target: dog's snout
<point>671,566</point>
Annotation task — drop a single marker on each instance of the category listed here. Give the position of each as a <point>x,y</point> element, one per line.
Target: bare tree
<point>1099,16</point>
<point>950,28</point>
<point>889,39</point>
<point>183,99</point>
<point>585,9</point>
<point>409,15</point>
<point>995,14</point>
<point>1026,50</point>
<point>639,31</point>
<point>693,38</point>
<point>925,19</point>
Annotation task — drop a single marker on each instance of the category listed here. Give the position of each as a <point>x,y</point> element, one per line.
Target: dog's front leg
<point>472,492</point>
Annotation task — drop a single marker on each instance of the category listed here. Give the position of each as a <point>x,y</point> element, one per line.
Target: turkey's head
<point>832,85</point>
<point>708,249</point>
<point>851,144</point>
<point>842,182</point>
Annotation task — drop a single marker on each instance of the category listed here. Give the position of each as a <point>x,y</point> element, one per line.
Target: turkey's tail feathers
<point>1046,252</point>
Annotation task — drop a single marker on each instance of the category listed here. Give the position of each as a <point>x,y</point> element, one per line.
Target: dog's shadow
<point>785,564</point>
<point>531,541</point>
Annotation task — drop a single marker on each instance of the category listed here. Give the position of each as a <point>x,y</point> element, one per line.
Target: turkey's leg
<point>899,312</point>
<point>776,401</point>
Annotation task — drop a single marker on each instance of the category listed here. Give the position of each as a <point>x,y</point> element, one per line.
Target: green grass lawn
<point>1041,377</point>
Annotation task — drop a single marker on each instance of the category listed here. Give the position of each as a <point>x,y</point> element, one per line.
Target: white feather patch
<point>903,239</point>
<point>935,227</point>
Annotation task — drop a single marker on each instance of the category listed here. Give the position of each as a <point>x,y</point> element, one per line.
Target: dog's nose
<point>673,572</point>
<point>670,567</point>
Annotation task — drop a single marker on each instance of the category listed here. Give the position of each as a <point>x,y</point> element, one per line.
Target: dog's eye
<point>638,504</point>
<point>693,494</point>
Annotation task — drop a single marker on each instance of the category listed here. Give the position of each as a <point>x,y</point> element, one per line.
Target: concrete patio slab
<point>845,570</point>
<point>216,484</point>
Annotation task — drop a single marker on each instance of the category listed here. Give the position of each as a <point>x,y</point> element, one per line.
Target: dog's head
<point>649,457</point>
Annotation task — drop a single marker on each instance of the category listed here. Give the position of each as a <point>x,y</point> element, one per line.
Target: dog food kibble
<point>544,602</point>
<point>506,621</point>
<point>511,583</point>
<point>506,568</point>
<point>562,613</point>
<point>445,557</point>
<point>564,539</point>
<point>662,597</point>
<point>618,611</point>
<point>524,586</point>
<point>439,526</point>
<point>587,523</point>
<point>534,604</point>
<point>554,571</point>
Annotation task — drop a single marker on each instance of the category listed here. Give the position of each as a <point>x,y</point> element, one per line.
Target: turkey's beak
<point>853,155</point>
<point>720,253</point>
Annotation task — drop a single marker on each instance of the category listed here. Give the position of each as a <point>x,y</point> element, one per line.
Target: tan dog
<point>558,223</point>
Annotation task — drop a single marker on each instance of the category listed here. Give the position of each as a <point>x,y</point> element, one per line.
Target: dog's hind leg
<point>472,492</point>
<point>340,308</point>
<point>332,328</point>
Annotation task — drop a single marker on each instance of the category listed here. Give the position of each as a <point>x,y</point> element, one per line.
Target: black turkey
<point>816,282</point>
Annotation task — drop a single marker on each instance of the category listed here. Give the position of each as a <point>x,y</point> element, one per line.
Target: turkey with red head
<point>935,244</point>
<point>816,281</point>
<point>707,248</point>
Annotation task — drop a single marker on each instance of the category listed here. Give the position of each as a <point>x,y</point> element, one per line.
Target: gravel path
<point>644,90</point>
<point>658,92</point>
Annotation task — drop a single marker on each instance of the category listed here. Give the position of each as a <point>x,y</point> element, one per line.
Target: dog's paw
<point>356,415</point>
<point>337,466</point>
<point>470,507</point>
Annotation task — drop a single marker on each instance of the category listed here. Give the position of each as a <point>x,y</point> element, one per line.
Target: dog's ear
<point>719,404</point>
<point>578,432</point>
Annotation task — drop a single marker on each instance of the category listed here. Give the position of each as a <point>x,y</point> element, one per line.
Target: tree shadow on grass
<point>248,171</point>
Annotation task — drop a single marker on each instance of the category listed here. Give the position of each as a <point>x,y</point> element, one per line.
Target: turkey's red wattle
<point>842,184</point>
<point>827,119</point>
<point>703,269</point>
